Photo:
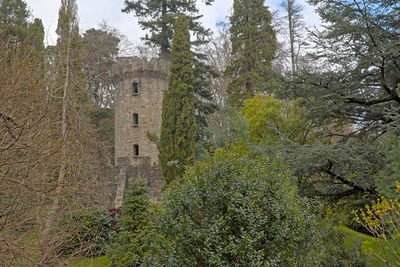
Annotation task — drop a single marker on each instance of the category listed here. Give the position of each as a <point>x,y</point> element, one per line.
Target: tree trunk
<point>290,8</point>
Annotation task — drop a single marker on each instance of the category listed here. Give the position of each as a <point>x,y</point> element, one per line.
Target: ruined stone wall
<point>151,174</point>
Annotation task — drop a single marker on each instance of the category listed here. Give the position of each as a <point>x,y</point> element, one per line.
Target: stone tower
<point>140,86</point>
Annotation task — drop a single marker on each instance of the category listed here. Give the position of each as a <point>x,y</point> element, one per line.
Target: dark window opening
<point>136,150</point>
<point>135,119</point>
<point>135,88</point>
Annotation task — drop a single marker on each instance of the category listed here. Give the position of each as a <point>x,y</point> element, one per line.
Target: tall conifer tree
<point>14,16</point>
<point>17,31</point>
<point>253,48</point>
<point>178,127</point>
<point>158,16</point>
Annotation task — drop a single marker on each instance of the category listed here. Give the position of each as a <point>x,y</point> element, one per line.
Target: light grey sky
<point>93,12</point>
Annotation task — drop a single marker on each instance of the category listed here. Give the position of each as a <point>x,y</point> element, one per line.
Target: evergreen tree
<point>17,31</point>
<point>14,16</point>
<point>253,48</point>
<point>158,16</point>
<point>178,127</point>
<point>36,34</point>
<point>353,89</point>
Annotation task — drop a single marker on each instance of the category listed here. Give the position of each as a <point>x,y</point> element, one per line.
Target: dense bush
<point>231,210</point>
<point>85,232</point>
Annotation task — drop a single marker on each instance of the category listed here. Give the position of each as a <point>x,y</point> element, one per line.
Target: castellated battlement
<point>134,67</point>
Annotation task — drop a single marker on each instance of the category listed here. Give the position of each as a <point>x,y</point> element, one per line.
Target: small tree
<point>131,246</point>
<point>178,127</point>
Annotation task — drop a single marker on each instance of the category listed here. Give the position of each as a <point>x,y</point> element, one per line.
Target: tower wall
<point>151,79</point>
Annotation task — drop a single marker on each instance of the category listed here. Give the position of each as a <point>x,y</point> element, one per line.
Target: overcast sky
<point>93,12</point>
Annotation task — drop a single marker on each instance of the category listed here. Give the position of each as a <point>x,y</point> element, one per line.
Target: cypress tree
<point>178,127</point>
<point>253,48</point>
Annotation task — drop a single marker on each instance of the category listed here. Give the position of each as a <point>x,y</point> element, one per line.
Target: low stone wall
<point>125,174</point>
<point>108,186</point>
<point>151,174</point>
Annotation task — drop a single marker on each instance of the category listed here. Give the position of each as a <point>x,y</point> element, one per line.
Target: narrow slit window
<point>135,88</point>
<point>135,118</point>
<point>135,150</point>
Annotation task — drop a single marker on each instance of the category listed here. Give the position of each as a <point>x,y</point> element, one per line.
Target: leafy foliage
<point>231,210</point>
<point>360,43</point>
<point>352,89</point>
<point>178,128</point>
<point>271,120</point>
<point>14,16</point>
<point>388,177</point>
<point>382,220</point>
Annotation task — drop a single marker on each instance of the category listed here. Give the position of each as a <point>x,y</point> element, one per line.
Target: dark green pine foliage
<point>353,88</point>
<point>178,127</point>
<point>36,34</point>
<point>13,20</point>
<point>19,35</point>
<point>131,245</point>
<point>253,48</point>
<point>158,17</point>
<point>15,27</point>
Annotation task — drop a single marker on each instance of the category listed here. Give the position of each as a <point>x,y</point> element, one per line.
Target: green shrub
<point>231,210</point>
<point>85,232</point>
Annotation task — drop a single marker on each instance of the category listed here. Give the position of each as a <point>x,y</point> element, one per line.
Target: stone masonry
<point>140,85</point>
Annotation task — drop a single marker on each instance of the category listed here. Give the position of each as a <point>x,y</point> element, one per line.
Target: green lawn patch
<point>102,261</point>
